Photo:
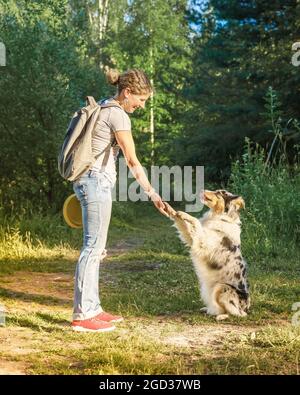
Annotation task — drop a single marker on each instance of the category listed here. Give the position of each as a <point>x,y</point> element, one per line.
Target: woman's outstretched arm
<point>126,143</point>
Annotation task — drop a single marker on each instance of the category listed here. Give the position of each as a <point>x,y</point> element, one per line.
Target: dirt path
<point>30,289</point>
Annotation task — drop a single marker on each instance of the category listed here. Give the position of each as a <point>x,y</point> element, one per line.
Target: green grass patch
<point>150,280</point>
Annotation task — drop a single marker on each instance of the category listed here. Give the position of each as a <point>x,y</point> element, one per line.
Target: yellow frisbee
<point>72,212</point>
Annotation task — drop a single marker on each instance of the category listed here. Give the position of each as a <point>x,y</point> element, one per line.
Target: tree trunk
<point>152,125</point>
<point>152,139</point>
<point>102,25</point>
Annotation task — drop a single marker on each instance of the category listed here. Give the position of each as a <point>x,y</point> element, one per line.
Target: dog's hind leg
<point>229,300</point>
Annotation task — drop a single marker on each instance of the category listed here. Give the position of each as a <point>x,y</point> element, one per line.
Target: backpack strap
<point>109,104</point>
<point>91,101</point>
<point>102,104</point>
<point>113,143</point>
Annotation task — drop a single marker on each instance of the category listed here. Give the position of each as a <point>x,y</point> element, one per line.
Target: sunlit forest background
<point>222,72</point>
<point>226,75</point>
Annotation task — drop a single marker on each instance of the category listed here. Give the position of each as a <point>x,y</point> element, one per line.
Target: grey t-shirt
<point>111,120</point>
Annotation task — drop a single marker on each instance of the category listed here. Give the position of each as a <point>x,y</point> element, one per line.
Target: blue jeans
<point>93,190</point>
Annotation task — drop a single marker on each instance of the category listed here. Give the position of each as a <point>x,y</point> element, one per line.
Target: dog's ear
<point>219,206</point>
<point>238,203</point>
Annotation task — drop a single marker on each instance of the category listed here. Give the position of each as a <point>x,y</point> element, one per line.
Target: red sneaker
<point>92,325</point>
<point>107,317</point>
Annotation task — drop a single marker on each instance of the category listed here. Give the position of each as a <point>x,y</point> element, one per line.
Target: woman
<point>93,190</point>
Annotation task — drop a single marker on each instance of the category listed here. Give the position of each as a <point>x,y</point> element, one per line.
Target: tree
<point>46,79</point>
<point>94,20</point>
<point>242,47</point>
<point>155,37</point>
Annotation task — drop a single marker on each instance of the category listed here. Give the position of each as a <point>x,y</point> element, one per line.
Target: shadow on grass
<point>55,264</point>
<point>36,323</point>
<point>35,298</point>
<point>52,320</point>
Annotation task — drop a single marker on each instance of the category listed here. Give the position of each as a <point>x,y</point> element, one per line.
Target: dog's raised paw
<point>181,215</point>
<point>172,213</point>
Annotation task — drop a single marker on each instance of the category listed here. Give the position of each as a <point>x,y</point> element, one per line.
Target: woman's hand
<point>159,204</point>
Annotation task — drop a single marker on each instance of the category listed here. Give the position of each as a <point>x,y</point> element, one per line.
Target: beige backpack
<point>76,155</point>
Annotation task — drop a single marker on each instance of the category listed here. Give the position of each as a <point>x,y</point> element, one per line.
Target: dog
<point>215,249</point>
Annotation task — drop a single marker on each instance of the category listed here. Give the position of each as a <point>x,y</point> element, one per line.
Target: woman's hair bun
<point>112,76</point>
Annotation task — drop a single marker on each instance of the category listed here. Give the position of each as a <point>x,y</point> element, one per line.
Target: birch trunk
<point>152,137</point>
<point>152,125</point>
<point>98,19</point>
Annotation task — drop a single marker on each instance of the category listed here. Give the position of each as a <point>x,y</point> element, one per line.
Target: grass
<point>148,277</point>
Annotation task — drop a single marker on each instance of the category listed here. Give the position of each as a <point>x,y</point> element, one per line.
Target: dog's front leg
<point>187,225</point>
<point>185,230</point>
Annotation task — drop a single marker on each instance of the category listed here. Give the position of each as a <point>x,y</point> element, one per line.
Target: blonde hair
<point>134,79</point>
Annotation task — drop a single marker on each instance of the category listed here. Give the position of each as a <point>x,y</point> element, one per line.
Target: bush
<point>270,186</point>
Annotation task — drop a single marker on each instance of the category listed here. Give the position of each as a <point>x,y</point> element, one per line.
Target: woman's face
<point>134,101</point>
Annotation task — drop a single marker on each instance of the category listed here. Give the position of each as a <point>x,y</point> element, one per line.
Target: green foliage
<point>54,54</point>
<point>270,186</point>
<point>239,50</point>
<point>46,79</point>
<point>155,38</point>
<point>210,69</point>
<point>272,207</point>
